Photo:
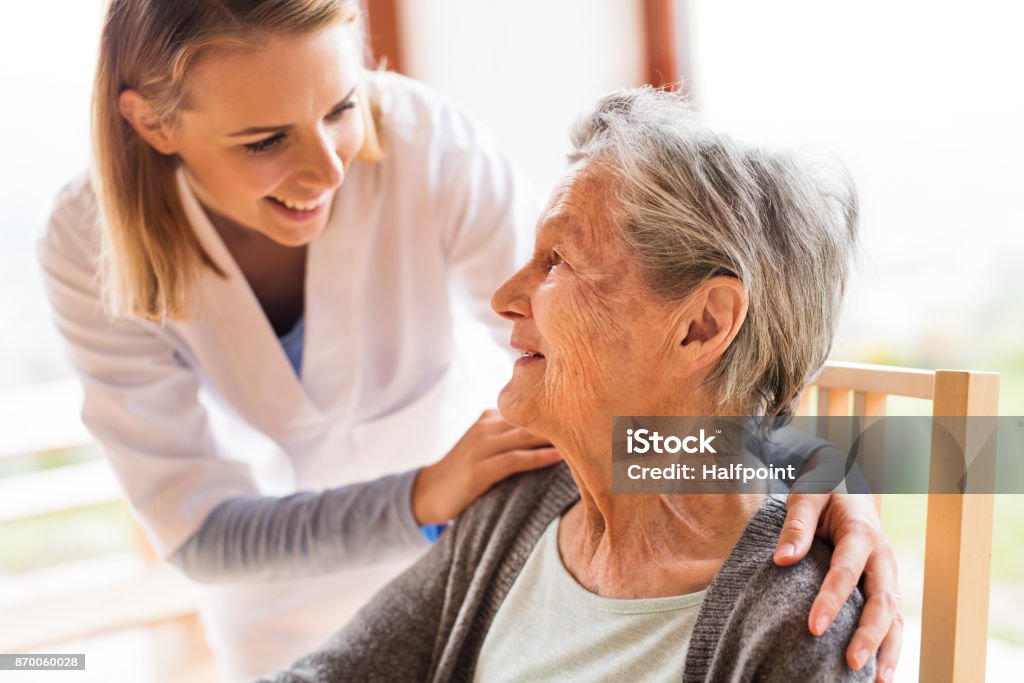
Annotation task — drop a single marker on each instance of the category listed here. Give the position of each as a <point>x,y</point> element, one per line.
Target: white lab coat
<point>376,394</point>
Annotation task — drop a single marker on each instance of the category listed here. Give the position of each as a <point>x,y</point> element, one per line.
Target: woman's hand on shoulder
<point>851,523</point>
<point>491,450</point>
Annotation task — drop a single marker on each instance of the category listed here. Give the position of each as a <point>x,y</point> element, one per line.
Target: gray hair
<point>692,204</point>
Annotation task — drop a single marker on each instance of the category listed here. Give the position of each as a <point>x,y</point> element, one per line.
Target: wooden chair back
<point>958,537</point>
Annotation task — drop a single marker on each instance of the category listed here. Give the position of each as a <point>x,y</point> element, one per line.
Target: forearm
<point>304,534</point>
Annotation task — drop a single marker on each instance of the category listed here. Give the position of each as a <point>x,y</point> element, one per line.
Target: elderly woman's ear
<point>712,317</point>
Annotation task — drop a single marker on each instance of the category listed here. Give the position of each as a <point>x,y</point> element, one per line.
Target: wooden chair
<point>958,540</point>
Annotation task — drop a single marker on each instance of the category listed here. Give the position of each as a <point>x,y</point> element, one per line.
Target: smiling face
<point>598,341</point>
<point>269,133</point>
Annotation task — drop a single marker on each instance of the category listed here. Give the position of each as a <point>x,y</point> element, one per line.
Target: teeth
<point>303,206</point>
<point>527,354</point>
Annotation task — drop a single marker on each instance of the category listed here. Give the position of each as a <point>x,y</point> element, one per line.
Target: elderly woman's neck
<point>637,546</point>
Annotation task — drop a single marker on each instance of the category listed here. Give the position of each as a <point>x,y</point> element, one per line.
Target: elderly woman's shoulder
<point>527,489</point>
<point>768,606</point>
<point>802,579</point>
<point>517,510</point>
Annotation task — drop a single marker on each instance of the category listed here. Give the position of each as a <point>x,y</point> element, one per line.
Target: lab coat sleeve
<point>140,403</point>
<point>200,510</point>
<point>489,212</point>
<point>304,534</point>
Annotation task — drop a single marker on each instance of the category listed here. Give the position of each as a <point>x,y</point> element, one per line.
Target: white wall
<point>524,68</point>
<point>47,56</point>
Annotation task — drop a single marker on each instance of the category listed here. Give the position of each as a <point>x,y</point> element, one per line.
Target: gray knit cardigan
<point>430,623</point>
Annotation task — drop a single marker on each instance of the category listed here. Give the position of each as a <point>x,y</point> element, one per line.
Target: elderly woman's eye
<point>555,260</point>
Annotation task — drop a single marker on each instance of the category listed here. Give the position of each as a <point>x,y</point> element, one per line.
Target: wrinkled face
<point>269,133</point>
<point>596,340</point>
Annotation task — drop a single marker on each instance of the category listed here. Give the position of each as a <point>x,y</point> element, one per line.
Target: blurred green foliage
<point>47,540</point>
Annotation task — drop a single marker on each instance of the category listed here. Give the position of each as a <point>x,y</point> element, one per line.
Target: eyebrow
<point>256,130</point>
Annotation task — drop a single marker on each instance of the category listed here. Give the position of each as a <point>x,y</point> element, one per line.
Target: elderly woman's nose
<point>321,163</point>
<point>512,300</point>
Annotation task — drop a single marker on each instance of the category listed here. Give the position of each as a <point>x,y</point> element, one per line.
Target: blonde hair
<point>151,257</point>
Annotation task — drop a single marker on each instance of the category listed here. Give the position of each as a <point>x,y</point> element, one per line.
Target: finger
<point>881,623</point>
<point>506,464</point>
<point>489,415</point>
<point>847,565</point>
<point>492,422</point>
<point>876,620</point>
<point>515,439</point>
<point>802,513</point>
<point>889,653</point>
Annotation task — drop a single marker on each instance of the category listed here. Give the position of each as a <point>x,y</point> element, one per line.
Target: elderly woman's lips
<point>527,358</point>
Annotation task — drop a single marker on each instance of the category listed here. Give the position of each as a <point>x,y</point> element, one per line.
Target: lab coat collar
<point>231,315</point>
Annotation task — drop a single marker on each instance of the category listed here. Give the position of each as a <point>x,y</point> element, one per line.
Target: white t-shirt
<point>549,628</point>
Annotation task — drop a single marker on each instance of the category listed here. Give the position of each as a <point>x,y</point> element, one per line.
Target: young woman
<point>269,233</point>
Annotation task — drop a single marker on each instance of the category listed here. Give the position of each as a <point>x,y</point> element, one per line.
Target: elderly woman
<point>676,272</point>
